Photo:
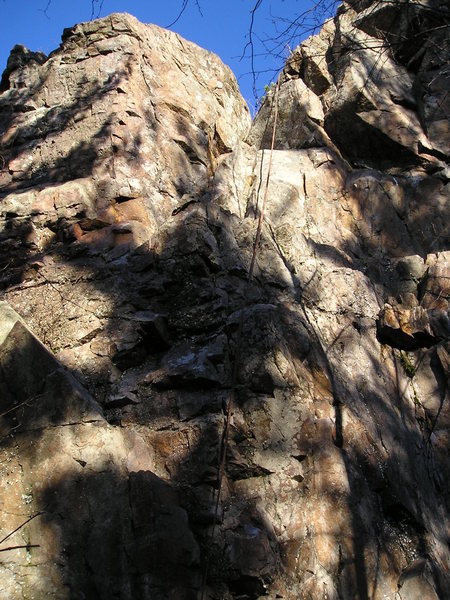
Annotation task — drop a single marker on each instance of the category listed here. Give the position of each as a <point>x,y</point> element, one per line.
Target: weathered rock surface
<point>129,191</point>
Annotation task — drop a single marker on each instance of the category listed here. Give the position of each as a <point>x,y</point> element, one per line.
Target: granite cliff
<point>130,188</point>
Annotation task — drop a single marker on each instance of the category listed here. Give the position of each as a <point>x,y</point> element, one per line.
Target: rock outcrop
<point>131,182</point>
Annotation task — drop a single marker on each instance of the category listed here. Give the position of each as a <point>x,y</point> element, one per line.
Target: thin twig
<point>250,44</point>
<point>64,298</point>
<point>22,525</point>
<point>17,547</point>
<point>93,3</point>
<point>45,10</point>
<point>178,17</point>
<point>18,406</point>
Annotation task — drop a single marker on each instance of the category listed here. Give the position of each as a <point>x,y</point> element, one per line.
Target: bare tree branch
<point>45,10</point>
<point>93,3</point>
<point>250,44</point>
<point>183,8</point>
<point>27,546</point>
<point>21,525</point>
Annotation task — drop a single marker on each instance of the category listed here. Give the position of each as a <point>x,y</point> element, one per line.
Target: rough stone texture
<point>129,192</point>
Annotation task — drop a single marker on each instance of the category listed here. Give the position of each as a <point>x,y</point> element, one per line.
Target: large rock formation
<point>130,183</point>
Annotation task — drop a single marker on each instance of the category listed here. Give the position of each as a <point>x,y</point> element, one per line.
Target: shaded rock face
<point>129,191</point>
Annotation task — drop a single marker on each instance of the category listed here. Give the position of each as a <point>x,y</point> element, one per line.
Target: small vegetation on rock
<point>407,364</point>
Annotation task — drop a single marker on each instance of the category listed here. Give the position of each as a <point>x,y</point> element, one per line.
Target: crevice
<point>190,153</point>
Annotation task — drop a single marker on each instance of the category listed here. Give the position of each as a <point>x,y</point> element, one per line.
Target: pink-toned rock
<point>127,228</point>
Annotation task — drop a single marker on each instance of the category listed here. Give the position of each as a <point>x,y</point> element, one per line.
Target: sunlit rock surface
<point>130,187</point>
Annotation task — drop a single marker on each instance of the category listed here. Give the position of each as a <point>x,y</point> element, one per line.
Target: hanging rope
<point>236,361</point>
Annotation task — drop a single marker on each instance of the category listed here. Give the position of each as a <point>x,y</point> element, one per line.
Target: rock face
<point>130,185</point>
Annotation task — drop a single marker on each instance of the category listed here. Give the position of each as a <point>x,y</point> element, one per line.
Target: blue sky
<point>222,27</point>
